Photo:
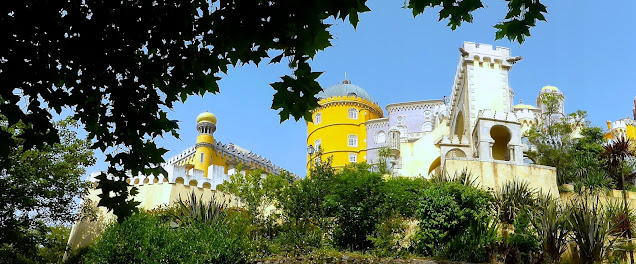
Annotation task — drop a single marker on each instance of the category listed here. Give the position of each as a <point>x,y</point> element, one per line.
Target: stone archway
<point>501,135</point>
<point>459,126</point>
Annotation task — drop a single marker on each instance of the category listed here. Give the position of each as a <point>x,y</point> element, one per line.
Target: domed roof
<point>206,117</point>
<point>550,89</point>
<point>521,105</point>
<point>344,89</point>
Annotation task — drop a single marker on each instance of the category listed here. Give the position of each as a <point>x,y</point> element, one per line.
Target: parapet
<point>525,114</point>
<point>472,51</point>
<point>345,100</point>
<point>497,115</point>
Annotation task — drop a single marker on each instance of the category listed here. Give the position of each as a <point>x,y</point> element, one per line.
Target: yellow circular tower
<point>206,125</point>
<point>338,126</point>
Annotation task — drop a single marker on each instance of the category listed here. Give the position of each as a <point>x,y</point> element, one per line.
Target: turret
<point>206,126</point>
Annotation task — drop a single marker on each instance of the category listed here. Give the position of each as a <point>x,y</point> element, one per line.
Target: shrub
<point>445,210</point>
<point>143,238</point>
<point>591,230</point>
<point>523,243</point>
<point>354,202</point>
<point>550,222</point>
<point>476,244</point>
<point>389,236</point>
<point>513,197</point>
<point>401,194</point>
<point>299,238</point>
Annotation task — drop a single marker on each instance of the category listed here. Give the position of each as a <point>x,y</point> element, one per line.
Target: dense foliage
<point>119,65</point>
<point>39,190</point>
<point>146,238</point>
<point>445,210</point>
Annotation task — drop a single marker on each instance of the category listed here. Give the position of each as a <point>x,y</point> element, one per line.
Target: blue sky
<point>586,49</point>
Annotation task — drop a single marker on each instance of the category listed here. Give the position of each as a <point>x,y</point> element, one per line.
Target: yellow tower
<point>338,126</point>
<point>206,125</point>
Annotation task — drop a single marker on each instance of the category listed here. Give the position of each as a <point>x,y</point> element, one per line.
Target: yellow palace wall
<point>336,126</point>
<point>150,196</point>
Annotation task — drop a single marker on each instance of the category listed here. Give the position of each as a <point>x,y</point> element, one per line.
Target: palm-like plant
<point>550,223</point>
<point>591,230</point>
<point>513,197</point>
<point>464,177</point>
<point>196,210</point>
<point>614,154</point>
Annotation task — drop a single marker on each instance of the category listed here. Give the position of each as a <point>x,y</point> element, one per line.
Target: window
<point>317,144</point>
<point>201,158</point>
<point>427,126</point>
<point>353,141</point>
<point>353,158</point>
<point>353,113</point>
<point>318,118</point>
<point>402,130</point>
<point>380,137</point>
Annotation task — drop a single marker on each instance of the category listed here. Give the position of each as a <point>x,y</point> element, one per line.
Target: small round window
<point>352,94</point>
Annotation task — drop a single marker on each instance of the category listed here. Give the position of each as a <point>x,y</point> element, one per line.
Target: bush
<point>388,237</point>
<point>591,230</point>
<point>401,194</point>
<point>445,210</point>
<point>354,202</point>
<point>143,238</point>
<point>477,244</point>
<point>298,238</point>
<point>513,197</point>
<point>551,224</point>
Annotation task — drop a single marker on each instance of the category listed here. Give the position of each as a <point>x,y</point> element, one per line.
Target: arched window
<point>317,144</point>
<point>427,126</point>
<point>352,141</point>
<point>318,118</point>
<point>353,158</point>
<point>402,130</point>
<point>353,113</point>
<point>380,137</point>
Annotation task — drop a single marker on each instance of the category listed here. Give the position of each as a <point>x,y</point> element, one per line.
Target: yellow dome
<point>549,88</point>
<point>206,117</point>
<point>525,106</point>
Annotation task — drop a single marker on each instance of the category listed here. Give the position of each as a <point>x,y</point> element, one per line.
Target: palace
<point>477,127</point>
<point>625,127</point>
<point>199,169</point>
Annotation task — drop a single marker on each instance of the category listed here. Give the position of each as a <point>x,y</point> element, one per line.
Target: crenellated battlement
<point>349,100</point>
<point>472,51</point>
<point>497,115</point>
<point>526,114</point>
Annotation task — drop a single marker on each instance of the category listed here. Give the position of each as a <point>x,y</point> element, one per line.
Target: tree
<point>555,143</point>
<point>39,189</point>
<point>120,65</point>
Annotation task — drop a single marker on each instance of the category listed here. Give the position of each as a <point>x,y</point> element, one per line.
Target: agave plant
<point>196,210</point>
<point>591,230</point>
<point>513,197</point>
<point>464,177</point>
<point>550,222</point>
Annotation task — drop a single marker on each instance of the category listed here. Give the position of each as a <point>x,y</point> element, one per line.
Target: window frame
<point>353,157</point>
<point>318,118</point>
<point>377,137</point>
<point>353,113</point>
<point>355,142</point>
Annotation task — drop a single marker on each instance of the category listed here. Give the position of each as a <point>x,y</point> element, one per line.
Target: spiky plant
<point>614,154</point>
<point>550,222</point>
<point>513,197</point>
<point>464,177</point>
<point>591,230</point>
<point>196,210</point>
